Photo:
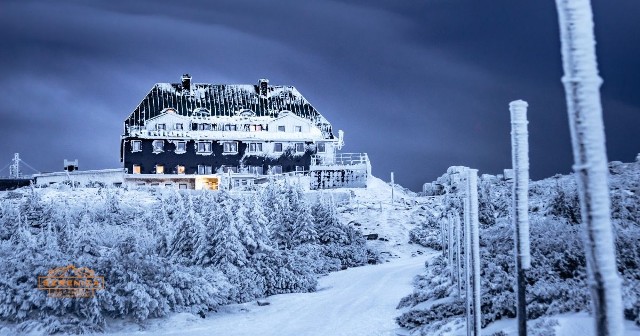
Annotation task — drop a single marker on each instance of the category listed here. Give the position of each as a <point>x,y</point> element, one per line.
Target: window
<point>230,147</point>
<point>142,184</point>
<point>137,169</point>
<point>117,184</point>
<point>299,147</point>
<point>158,146</point>
<point>168,185</point>
<point>183,186</point>
<point>181,147</point>
<point>204,127</point>
<point>161,127</point>
<point>204,147</point>
<point>321,147</point>
<point>159,169</point>
<point>299,168</point>
<point>256,128</point>
<point>180,169</point>
<point>277,147</point>
<point>276,169</point>
<point>255,147</point>
<point>178,127</point>
<point>136,145</point>
<point>155,184</point>
<point>226,169</point>
<point>281,129</point>
<point>205,170</point>
<point>229,127</point>
<point>298,129</point>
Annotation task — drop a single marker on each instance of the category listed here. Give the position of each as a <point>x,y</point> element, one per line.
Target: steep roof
<point>190,99</point>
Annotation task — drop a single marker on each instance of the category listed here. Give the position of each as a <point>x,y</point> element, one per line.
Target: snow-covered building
<point>206,132</point>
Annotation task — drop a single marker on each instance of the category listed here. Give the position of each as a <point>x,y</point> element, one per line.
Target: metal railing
<point>340,159</point>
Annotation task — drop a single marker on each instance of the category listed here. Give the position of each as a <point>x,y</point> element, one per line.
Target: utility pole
<point>14,169</point>
<point>475,247</point>
<point>520,206</point>
<point>392,183</point>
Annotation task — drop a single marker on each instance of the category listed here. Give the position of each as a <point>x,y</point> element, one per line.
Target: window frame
<point>230,147</point>
<point>136,171</point>
<point>205,170</point>
<point>282,128</point>
<point>161,127</point>
<point>178,150</point>
<point>275,147</point>
<point>158,149</point>
<point>133,146</point>
<point>205,151</point>
<point>322,145</point>
<point>178,127</point>
<point>297,129</point>
<point>301,145</point>
<point>255,147</point>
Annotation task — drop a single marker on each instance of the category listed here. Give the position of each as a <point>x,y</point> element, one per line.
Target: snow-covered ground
<point>356,301</point>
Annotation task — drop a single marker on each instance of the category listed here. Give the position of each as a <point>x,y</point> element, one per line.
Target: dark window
<point>136,146</point>
<point>230,147</point>
<point>281,129</point>
<point>276,169</point>
<point>158,146</point>
<point>299,147</point>
<point>321,147</point>
<point>298,129</point>
<point>204,127</point>
<point>204,147</point>
<point>255,147</point>
<point>229,127</point>
<point>257,170</point>
<point>178,127</point>
<point>161,127</point>
<point>181,146</point>
<point>205,170</point>
<point>299,168</point>
<point>277,147</point>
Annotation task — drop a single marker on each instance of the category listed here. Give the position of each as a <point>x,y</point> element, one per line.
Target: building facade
<point>204,132</point>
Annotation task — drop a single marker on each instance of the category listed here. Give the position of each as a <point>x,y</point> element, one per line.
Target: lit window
<point>277,147</point>
<point>204,170</point>
<point>161,127</point>
<point>158,146</point>
<point>298,129</point>
<point>204,147</point>
<point>230,147</point>
<point>256,128</point>
<point>281,128</point>
<point>136,146</point>
<point>299,147</point>
<point>178,127</point>
<point>137,169</point>
<point>159,169</point>
<point>180,169</point>
<point>255,147</point>
<point>181,147</point>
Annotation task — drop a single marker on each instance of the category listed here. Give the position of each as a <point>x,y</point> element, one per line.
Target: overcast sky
<point>419,85</point>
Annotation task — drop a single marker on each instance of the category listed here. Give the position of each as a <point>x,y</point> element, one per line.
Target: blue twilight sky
<point>419,85</point>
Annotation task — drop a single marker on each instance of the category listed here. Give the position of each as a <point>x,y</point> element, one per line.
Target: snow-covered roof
<point>197,99</point>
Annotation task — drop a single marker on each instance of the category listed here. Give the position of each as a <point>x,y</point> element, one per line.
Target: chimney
<point>186,82</point>
<point>262,85</point>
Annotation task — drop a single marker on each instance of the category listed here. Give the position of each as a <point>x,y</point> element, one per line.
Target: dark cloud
<point>419,85</point>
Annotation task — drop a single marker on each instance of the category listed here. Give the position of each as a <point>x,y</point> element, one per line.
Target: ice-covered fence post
<point>582,88</point>
<point>392,182</point>
<point>520,206</point>
<point>450,247</point>
<point>458,260</point>
<point>467,258</point>
<point>472,181</point>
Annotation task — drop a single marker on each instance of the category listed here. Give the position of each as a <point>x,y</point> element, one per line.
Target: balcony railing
<point>340,159</point>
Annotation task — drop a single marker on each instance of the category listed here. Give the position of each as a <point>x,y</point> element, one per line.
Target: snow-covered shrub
<point>427,233</point>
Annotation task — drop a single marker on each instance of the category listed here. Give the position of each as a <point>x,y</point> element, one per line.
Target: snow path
<point>356,301</point>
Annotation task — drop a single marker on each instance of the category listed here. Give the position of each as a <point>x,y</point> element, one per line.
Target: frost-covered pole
<point>458,260</point>
<point>472,182</point>
<point>450,234</point>
<point>467,260</point>
<point>520,206</point>
<point>582,87</point>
